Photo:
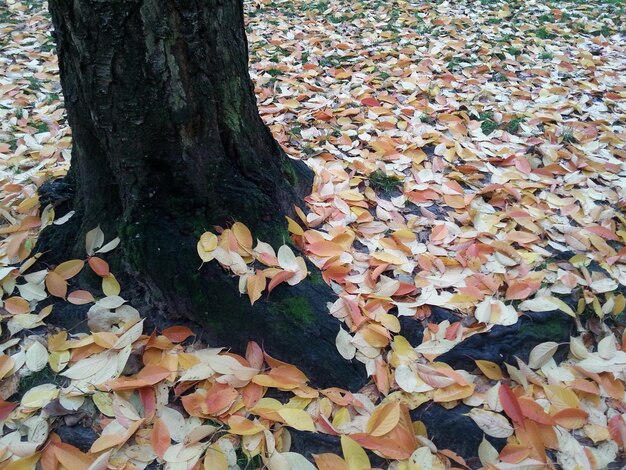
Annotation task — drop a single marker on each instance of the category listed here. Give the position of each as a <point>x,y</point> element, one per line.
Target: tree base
<point>159,270</point>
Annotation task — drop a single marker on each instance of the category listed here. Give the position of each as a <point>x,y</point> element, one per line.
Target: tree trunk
<point>167,142</point>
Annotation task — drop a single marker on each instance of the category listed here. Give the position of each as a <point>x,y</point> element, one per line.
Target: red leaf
<point>511,405</point>
<point>370,102</point>
<point>5,409</point>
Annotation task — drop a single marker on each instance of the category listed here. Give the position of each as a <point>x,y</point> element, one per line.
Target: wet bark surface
<point>168,143</point>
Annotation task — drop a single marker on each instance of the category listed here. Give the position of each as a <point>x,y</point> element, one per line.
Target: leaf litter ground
<point>469,156</point>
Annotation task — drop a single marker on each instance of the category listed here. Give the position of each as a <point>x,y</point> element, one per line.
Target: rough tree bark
<point>167,142</point>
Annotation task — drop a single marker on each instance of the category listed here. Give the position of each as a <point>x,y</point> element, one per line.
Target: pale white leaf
<point>344,344</point>
<point>541,354</point>
<point>487,453</point>
<point>297,461</point>
<point>112,245</point>
<point>287,259</point>
<point>94,240</point>
<point>492,424</point>
<point>36,356</point>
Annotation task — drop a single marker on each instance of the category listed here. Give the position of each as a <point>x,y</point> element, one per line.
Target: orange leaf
<point>571,418</point>
<point>160,437</point>
<point>399,443</point>
<point>153,374</point>
<point>16,305</point>
<point>177,334</point>
<point>279,278</point>
<point>112,440</point>
<point>330,462</point>
<point>80,297</point>
<point>521,237</point>
<point>613,386</point>
<point>510,405</point>
<point>149,375</point>
<point>439,232</point>
<point>48,460</point>
<point>533,410</point>
<point>519,291</point>
<point>71,457</point>
<point>99,266</point>
<point>255,285</point>
<point>325,248</point>
<point>56,285</point>
<point>251,394</point>
<point>243,427</point>
<point>617,429</point>
<point>220,398</point>
<point>513,453</point>
<point>254,354</point>
<point>384,418</point>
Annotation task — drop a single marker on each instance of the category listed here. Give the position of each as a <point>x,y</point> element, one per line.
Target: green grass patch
<point>514,125</point>
<point>543,33</point>
<point>382,182</point>
<point>567,135</point>
<point>514,51</point>
<point>487,124</point>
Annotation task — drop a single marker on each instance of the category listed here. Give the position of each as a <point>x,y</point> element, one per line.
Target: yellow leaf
<point>354,454</point>
<point>561,397</point>
<point>206,246</point>
<point>69,269</point>
<point>243,235</point>
<point>490,369</point>
<point>297,419</point>
<point>58,360</point>
<point>27,463</point>
<point>215,459</point>
<point>294,227</point>
<point>388,258</point>
<point>40,396</point>
<point>563,307</point>
<point>110,286</point>
<point>341,417</point>
<point>104,403</point>
<point>620,304</point>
